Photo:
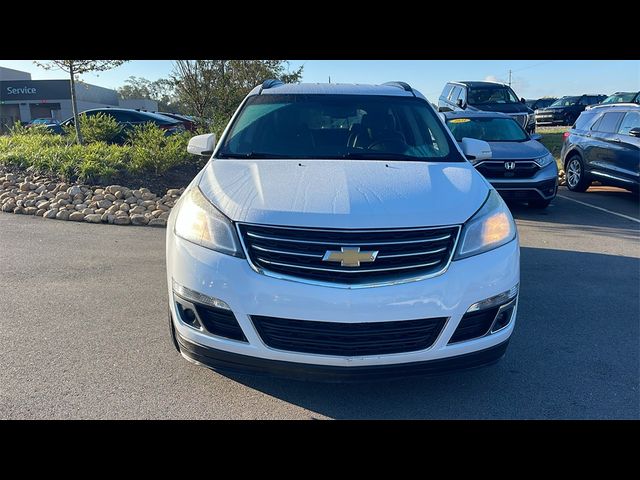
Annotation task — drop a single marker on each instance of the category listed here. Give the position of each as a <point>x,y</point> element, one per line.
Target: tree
<point>213,89</point>
<point>162,91</point>
<point>76,68</point>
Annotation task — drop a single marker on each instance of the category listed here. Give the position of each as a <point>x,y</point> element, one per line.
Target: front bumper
<point>229,362</point>
<point>542,186</point>
<point>249,293</point>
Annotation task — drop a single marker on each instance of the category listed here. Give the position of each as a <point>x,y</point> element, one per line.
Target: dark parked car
<point>187,121</point>
<point>520,167</point>
<point>128,118</point>
<point>488,97</point>
<point>604,145</point>
<point>42,121</point>
<point>540,103</point>
<point>622,97</point>
<point>565,110</point>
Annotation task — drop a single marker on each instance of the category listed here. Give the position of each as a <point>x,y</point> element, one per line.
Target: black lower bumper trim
<point>243,364</point>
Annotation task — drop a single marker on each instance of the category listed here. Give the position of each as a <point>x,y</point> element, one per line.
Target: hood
<point>502,107</point>
<point>517,150</point>
<point>344,193</point>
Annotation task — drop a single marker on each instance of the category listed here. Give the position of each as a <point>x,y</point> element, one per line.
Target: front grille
<point>496,169</point>
<point>299,252</point>
<point>348,339</point>
<point>474,325</point>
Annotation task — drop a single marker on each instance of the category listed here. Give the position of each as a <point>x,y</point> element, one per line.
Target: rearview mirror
<point>635,132</point>
<point>202,145</point>
<point>460,103</point>
<point>522,100</point>
<point>535,136</point>
<point>476,150</point>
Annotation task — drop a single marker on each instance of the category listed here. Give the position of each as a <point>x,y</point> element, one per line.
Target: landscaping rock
<point>157,222</point>
<point>8,206</point>
<point>137,210</point>
<point>93,218</point>
<point>75,190</point>
<point>76,217</point>
<point>139,220</point>
<point>50,213</point>
<point>40,212</point>
<point>123,220</point>
<point>30,210</point>
<point>62,215</point>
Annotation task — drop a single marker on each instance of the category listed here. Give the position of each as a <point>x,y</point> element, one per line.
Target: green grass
<point>552,139</point>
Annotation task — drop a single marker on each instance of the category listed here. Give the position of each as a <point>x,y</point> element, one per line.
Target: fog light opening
<point>503,318</point>
<point>188,316</point>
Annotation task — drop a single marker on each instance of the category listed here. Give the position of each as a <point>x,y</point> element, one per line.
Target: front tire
<point>577,180</point>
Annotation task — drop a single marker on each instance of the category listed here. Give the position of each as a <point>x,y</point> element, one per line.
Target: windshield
<point>487,129</point>
<point>484,95</point>
<point>624,97</point>
<point>338,126</point>
<point>565,101</point>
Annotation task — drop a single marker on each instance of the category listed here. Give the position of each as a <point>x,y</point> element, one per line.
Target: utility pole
<point>509,77</point>
<point>329,78</point>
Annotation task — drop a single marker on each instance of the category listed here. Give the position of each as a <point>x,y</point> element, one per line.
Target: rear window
<point>584,120</point>
<point>566,101</point>
<point>608,123</point>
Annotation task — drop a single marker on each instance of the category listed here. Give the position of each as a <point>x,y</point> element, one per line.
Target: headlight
<point>531,118</point>
<point>491,227</point>
<point>546,160</point>
<point>198,221</point>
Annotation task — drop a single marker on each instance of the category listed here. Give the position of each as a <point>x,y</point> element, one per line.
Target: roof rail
<point>403,85</point>
<point>270,83</point>
<point>605,105</point>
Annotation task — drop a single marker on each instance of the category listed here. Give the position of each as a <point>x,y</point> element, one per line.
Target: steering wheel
<point>392,144</point>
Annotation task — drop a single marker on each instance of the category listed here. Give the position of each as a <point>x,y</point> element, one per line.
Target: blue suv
<point>604,145</point>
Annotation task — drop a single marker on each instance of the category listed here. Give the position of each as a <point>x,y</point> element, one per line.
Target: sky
<point>530,78</point>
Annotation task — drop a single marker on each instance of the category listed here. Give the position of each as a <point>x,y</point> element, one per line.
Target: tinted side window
<point>447,90</point>
<point>584,120</point>
<point>609,122</point>
<point>584,101</point>
<point>631,120</point>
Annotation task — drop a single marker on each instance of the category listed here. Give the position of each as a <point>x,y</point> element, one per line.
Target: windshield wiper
<point>380,156</point>
<point>249,155</point>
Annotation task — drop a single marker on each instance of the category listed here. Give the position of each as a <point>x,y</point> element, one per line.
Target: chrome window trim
<point>355,286</point>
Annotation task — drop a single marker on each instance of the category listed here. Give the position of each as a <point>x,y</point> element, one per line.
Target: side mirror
<point>635,132</point>
<point>522,100</point>
<point>536,136</point>
<point>202,144</point>
<point>460,103</point>
<point>476,150</point>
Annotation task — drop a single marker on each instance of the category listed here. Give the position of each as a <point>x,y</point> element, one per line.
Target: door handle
<point>616,140</point>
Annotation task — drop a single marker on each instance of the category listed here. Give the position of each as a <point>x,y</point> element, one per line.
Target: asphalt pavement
<point>83,331</point>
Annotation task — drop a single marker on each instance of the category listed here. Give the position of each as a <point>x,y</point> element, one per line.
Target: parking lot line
<point>600,208</point>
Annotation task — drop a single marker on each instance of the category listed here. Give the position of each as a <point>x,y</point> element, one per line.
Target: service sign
<point>13,90</point>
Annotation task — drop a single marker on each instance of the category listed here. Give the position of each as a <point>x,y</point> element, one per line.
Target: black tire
<point>577,179</point>
<point>172,330</point>
<point>540,204</point>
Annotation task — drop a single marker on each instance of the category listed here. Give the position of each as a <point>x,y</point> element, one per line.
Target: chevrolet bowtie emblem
<point>350,256</point>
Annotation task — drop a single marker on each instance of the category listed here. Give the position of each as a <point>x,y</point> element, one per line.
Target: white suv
<point>338,232</point>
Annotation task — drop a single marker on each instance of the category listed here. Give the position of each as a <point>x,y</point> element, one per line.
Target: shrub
<point>95,128</point>
<point>152,150</point>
